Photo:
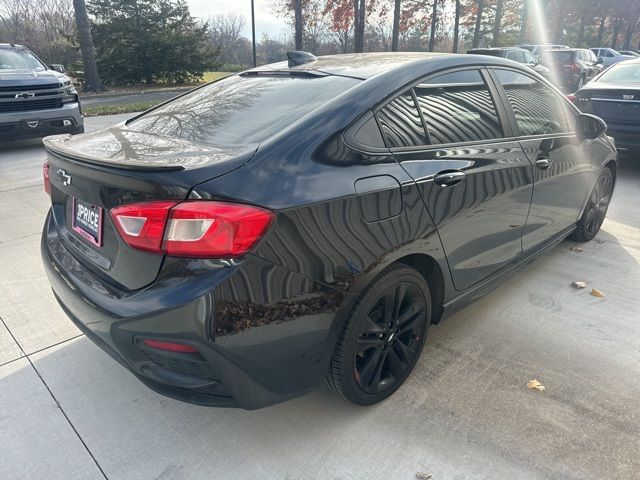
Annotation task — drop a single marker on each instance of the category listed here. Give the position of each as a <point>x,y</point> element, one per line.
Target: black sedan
<point>615,97</point>
<point>307,222</point>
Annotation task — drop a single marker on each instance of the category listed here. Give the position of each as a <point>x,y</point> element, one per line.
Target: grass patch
<point>116,109</point>
<point>213,76</point>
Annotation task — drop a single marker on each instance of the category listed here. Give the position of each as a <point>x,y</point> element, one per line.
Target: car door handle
<point>448,179</point>
<point>543,163</point>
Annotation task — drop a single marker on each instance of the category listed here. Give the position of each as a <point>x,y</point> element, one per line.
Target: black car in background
<point>614,96</point>
<point>572,68</point>
<point>306,222</point>
<point>516,54</point>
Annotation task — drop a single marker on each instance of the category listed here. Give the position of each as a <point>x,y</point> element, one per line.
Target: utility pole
<point>253,32</point>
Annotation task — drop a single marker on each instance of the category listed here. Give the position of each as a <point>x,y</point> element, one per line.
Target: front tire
<point>383,337</point>
<point>589,224</point>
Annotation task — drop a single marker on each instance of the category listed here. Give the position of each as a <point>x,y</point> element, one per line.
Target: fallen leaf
<point>579,284</point>
<point>535,384</point>
<point>423,476</point>
<point>597,293</point>
<point>599,240</point>
<point>576,249</point>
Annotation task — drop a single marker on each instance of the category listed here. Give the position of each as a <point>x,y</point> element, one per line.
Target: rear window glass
<point>622,74</point>
<point>558,57</point>
<point>240,110</point>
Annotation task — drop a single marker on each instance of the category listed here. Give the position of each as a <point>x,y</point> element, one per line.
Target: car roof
<point>497,49</point>
<point>367,65</point>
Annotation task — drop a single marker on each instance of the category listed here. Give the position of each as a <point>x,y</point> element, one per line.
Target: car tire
<point>589,224</point>
<point>382,337</point>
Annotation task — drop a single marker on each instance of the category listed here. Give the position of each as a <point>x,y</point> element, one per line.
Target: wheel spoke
<point>388,306</point>
<point>396,365</point>
<point>400,292</point>
<point>370,327</point>
<point>414,307</point>
<point>370,367</point>
<point>404,351</point>
<point>365,343</point>
<point>412,323</point>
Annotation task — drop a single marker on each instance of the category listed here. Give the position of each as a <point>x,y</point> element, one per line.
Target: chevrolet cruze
<point>306,222</point>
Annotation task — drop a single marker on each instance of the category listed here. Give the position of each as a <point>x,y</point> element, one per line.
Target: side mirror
<point>57,67</point>
<point>590,127</point>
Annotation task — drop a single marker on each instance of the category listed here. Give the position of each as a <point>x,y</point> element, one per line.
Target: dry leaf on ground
<point>576,249</point>
<point>535,384</point>
<point>597,293</point>
<point>599,240</point>
<point>423,476</point>
<point>579,284</point>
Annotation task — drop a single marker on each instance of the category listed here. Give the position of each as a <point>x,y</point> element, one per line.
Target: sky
<point>266,22</point>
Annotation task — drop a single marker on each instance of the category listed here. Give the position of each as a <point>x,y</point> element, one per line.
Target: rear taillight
<point>46,178</point>
<point>575,67</point>
<point>572,98</point>
<point>169,346</point>
<point>200,229</point>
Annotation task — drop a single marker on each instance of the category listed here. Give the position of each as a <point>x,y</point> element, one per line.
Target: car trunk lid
<point>617,105</point>
<point>124,167</point>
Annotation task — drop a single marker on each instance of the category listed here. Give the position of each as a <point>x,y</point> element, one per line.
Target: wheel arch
<point>430,269</point>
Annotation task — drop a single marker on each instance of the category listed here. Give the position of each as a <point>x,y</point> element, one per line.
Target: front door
<point>476,184</point>
<point>562,167</point>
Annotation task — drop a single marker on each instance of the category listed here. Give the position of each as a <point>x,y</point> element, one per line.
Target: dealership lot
<point>68,411</point>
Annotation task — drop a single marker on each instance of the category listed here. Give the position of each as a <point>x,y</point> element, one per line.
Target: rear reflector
<point>169,346</point>
<point>198,229</point>
<point>46,178</point>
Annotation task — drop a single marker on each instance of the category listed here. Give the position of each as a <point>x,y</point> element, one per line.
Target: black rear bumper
<point>247,366</point>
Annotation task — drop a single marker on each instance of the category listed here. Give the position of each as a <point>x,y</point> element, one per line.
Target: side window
<point>401,123</point>
<point>606,53</point>
<point>538,109</point>
<point>457,107</point>
<point>579,56</point>
<point>511,55</point>
<point>528,58</point>
<point>520,57</point>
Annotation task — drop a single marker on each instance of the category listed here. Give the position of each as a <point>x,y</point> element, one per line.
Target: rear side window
<point>401,123</point>
<point>457,107</point>
<point>538,109</point>
<point>241,110</point>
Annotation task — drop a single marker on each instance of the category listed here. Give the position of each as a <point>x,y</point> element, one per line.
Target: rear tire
<point>589,224</point>
<point>382,337</point>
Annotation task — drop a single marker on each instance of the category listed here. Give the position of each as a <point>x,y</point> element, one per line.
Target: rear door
<point>562,167</point>
<point>475,181</point>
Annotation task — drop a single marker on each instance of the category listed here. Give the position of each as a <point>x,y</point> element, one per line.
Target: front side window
<point>528,58</point>
<point>241,110</point>
<point>457,107</point>
<point>537,108</point>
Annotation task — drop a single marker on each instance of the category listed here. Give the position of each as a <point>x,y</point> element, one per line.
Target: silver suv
<point>35,100</point>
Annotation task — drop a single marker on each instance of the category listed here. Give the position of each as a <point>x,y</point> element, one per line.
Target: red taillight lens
<point>169,346</point>
<point>200,229</point>
<point>572,98</point>
<point>575,66</point>
<point>141,225</point>
<point>46,178</point>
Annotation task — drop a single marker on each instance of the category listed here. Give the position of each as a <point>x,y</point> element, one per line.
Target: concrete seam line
<point>55,399</point>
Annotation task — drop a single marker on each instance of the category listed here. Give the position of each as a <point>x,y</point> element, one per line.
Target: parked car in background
<point>35,99</point>
<point>571,68</point>
<point>517,54</point>
<point>630,53</point>
<point>614,96</point>
<point>537,49</point>
<point>307,221</point>
<point>610,56</point>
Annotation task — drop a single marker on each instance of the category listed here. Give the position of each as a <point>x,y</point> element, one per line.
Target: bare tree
<point>297,8</point>
<point>497,23</point>
<point>477,29</point>
<point>456,27</point>
<point>434,25</point>
<point>395,33</point>
<point>524,19</point>
<point>91,78</point>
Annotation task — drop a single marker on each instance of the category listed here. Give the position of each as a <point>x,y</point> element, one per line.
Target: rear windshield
<point>19,59</point>
<point>622,74</point>
<point>240,110</point>
<point>558,57</point>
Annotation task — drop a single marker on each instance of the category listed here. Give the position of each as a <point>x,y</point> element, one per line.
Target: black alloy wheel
<point>383,336</point>
<point>596,211</point>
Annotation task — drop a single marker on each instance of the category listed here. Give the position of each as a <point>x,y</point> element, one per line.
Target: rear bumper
<point>40,123</point>
<point>254,348</point>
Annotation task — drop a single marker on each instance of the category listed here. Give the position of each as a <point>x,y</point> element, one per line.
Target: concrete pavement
<point>68,411</point>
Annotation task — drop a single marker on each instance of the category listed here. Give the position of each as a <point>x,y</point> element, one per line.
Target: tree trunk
<point>616,31</point>
<point>627,37</point>
<point>434,26</point>
<point>456,27</point>
<point>395,34</point>
<point>476,31</point>
<point>92,81</point>
<point>523,22</point>
<point>497,23</point>
<point>581,31</point>
<point>297,7</point>
<point>601,31</point>
<point>358,34</point>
